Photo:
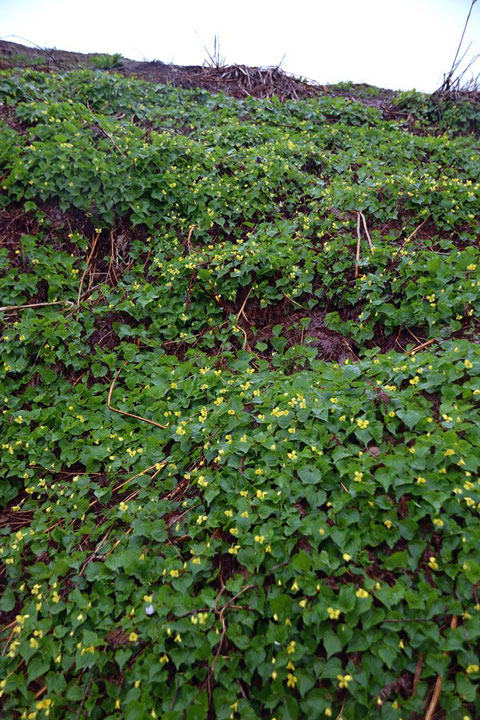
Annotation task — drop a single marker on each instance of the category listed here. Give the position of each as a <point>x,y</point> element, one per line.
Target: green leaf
<point>331,643</point>
<point>465,688</point>
<point>37,666</point>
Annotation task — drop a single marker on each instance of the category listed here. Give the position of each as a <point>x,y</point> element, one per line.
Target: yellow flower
<point>415,380</point>
<point>472,669</point>
<point>362,423</point>
<point>44,704</point>
<point>468,364</point>
<point>357,476</point>
<point>291,680</point>
<point>291,647</point>
<point>346,557</point>
<point>333,614</point>
<point>133,637</point>
<point>361,593</point>
<point>388,524</point>
<point>343,680</point>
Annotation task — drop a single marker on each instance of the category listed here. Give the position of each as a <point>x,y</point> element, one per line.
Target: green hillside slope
<point>240,371</point>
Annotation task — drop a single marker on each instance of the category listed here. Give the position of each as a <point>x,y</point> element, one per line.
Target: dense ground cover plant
<point>241,381</point>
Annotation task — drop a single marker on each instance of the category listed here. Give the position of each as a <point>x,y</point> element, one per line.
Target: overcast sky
<point>399,44</point>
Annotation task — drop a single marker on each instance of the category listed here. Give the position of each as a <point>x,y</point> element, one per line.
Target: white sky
<point>399,44</point>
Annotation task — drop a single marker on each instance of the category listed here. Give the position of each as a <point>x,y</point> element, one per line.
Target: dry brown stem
<point>123,412</point>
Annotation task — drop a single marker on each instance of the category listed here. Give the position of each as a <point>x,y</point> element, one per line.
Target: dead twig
<point>448,81</point>
<point>6,308</point>
<point>5,647</point>
<point>117,543</point>
<point>85,695</point>
<point>95,552</point>
<point>188,244</point>
<point>241,311</point>
<point>418,672</point>
<point>158,466</point>
<point>366,231</point>
<point>416,230</point>
<point>341,710</point>
<point>87,269</point>
<point>107,135</point>
<point>359,240</point>
<point>123,412</point>
<point>111,265</point>
<point>422,346</point>
<point>221,617</point>
<point>438,683</point>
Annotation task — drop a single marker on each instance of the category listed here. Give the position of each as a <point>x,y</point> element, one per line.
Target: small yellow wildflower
<point>291,680</point>
<point>362,593</point>
<point>333,614</point>
<point>343,680</point>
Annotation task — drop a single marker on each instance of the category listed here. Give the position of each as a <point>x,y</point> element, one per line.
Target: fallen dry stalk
<point>6,308</point>
<point>359,240</point>
<point>418,672</point>
<point>87,269</point>
<point>438,683</point>
<point>422,346</point>
<point>123,412</point>
<point>416,230</point>
<point>366,231</point>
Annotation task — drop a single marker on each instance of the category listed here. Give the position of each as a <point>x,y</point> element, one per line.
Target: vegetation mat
<point>241,404</point>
